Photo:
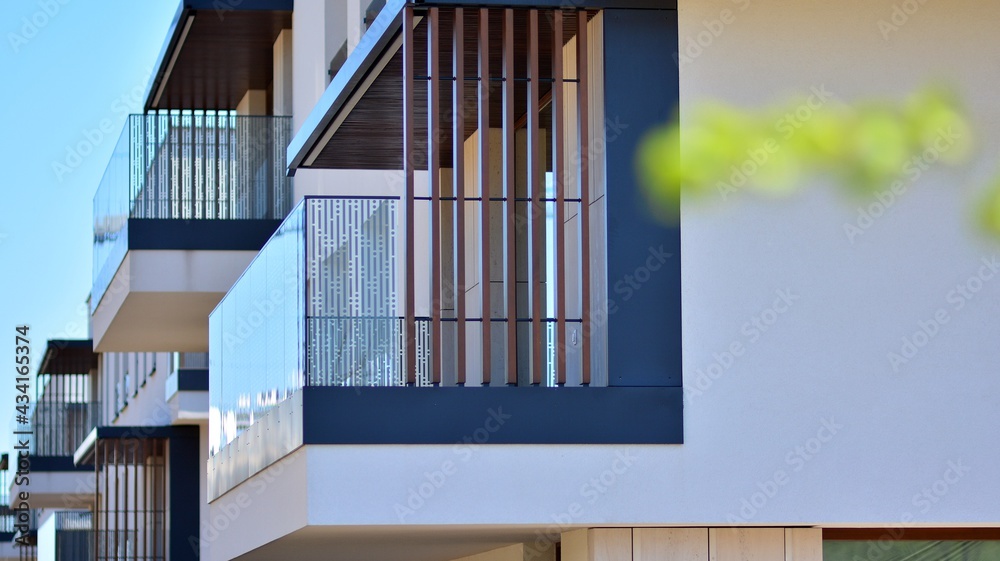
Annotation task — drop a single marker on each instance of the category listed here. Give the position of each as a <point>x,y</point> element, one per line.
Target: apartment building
<point>8,552</point>
<point>50,497</point>
<point>104,460</point>
<point>378,281</point>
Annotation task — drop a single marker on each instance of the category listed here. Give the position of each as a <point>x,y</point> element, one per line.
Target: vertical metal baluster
<point>145,500</point>
<point>135,500</point>
<point>161,479</point>
<point>96,519</point>
<point>117,478</point>
<point>106,500</point>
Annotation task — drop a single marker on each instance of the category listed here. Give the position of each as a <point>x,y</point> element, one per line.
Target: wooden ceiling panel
<point>223,57</point>
<point>371,136</point>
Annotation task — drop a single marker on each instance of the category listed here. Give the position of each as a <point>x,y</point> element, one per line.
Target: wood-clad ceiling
<point>223,55</point>
<point>371,136</point>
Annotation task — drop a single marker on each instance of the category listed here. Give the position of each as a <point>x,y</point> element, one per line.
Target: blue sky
<point>67,66</point>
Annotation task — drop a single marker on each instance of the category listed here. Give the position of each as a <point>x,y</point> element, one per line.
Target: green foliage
<point>720,149</point>
<point>989,208</point>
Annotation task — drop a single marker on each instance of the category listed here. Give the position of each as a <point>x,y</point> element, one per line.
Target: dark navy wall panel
<point>56,463</point>
<point>192,380</point>
<point>222,235</point>
<point>184,465</point>
<point>644,283</point>
<point>74,545</point>
<point>494,415</point>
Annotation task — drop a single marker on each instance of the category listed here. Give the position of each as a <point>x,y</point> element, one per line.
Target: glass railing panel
<point>111,213</point>
<point>354,333</point>
<point>319,305</point>
<point>62,415</point>
<point>188,166</point>
<point>256,339</point>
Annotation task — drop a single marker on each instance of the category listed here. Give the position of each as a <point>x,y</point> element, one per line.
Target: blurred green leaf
<point>865,147</point>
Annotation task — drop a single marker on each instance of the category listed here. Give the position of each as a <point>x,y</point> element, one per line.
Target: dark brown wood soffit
<point>222,58</point>
<point>371,136</point>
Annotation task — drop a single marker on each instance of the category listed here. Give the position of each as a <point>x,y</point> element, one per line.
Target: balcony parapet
<point>220,176</point>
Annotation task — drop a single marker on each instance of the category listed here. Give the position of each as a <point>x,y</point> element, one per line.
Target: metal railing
<point>188,166</point>
<point>130,521</point>
<point>74,536</point>
<point>7,518</point>
<point>318,306</point>
<point>322,305</point>
<point>63,414</point>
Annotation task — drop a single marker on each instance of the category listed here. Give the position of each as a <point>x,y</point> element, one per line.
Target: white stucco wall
<point>320,28</point>
<point>810,424</point>
<point>824,361</point>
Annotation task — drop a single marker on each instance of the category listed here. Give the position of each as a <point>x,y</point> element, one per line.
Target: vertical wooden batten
<point>545,274</point>
<point>509,195</point>
<point>409,319</point>
<point>536,208</point>
<point>583,131</point>
<point>485,283</point>
<point>458,165</point>
<point>558,172</point>
<point>434,182</point>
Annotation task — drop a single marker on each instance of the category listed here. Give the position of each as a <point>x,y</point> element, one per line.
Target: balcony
<point>26,530</point>
<point>516,292</point>
<point>142,474</point>
<point>316,341</point>
<point>7,519</point>
<point>214,52</point>
<point>184,205</point>
<point>187,388</point>
<point>66,536</point>
<point>64,412</point>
